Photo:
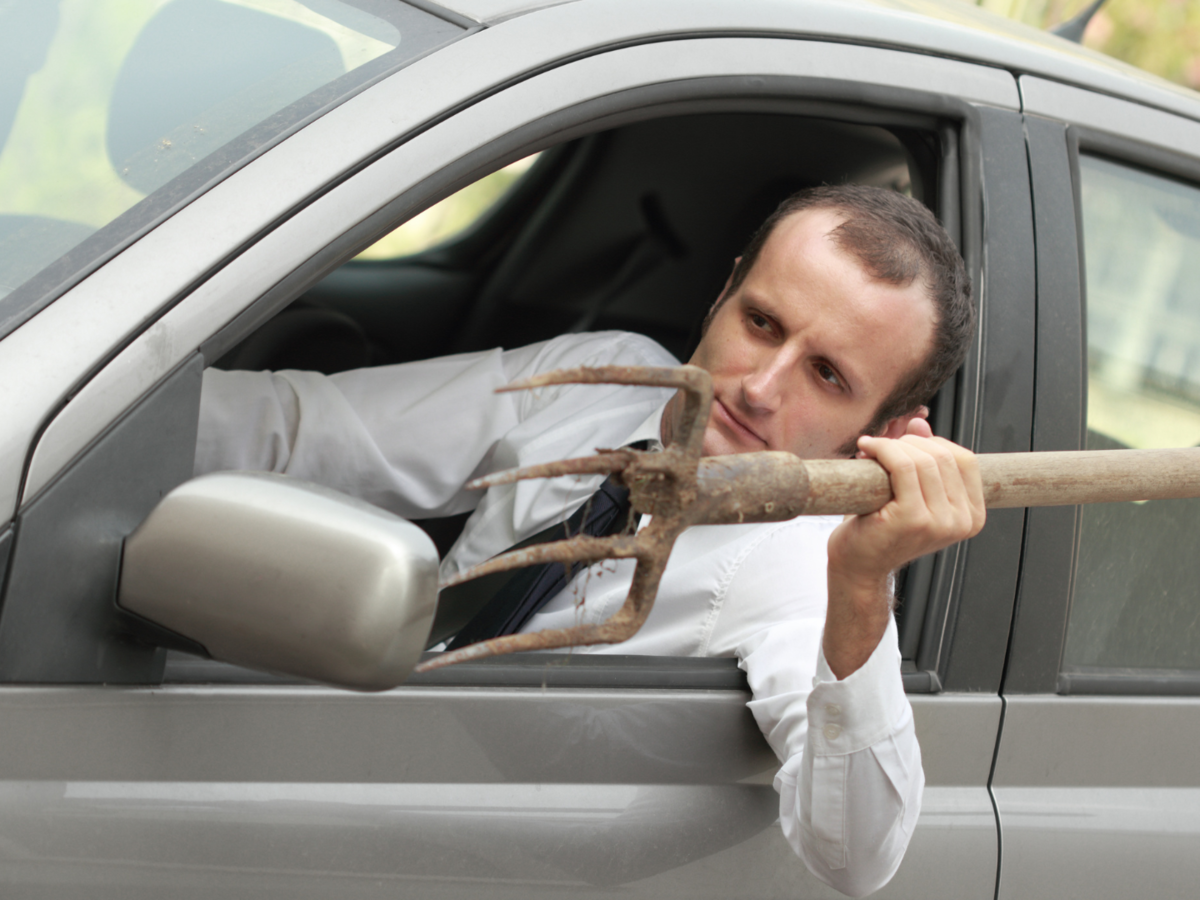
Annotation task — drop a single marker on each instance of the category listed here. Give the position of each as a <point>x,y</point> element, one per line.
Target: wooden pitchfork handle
<point>678,489</point>
<point>771,487</point>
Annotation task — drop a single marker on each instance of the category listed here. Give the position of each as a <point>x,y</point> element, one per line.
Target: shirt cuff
<point>862,709</point>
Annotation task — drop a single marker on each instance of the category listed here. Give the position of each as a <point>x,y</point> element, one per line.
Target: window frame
<point>939,577</point>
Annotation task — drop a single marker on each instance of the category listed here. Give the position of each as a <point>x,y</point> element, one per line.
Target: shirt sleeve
<point>851,782</point>
<point>408,437</point>
<point>405,437</point>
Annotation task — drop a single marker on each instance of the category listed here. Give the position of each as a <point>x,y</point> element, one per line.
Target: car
<point>193,183</point>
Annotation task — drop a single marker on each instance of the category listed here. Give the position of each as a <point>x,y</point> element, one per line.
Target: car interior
<point>634,229</point>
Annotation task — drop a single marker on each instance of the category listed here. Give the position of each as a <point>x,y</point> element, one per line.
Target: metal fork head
<point>662,485</point>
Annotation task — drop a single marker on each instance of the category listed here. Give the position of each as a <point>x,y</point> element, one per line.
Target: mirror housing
<point>280,575</point>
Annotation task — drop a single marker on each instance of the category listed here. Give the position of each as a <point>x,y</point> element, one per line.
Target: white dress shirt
<point>408,437</point>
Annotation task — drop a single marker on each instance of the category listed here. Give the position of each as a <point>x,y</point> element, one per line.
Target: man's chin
<point>718,444</point>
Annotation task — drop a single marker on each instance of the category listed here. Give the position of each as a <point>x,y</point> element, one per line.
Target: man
<point>846,312</point>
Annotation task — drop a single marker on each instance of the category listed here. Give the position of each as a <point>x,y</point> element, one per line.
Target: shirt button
<point>832,709</point>
<point>833,732</point>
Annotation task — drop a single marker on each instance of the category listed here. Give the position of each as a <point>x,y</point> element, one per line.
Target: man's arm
<point>404,437</point>
<point>851,781</point>
<point>937,501</point>
<point>850,787</point>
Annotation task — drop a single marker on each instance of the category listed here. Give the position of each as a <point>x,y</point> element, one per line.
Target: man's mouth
<point>740,429</point>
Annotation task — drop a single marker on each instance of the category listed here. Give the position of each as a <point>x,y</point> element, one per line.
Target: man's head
<point>846,312</point>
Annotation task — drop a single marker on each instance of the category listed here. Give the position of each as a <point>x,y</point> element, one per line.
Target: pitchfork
<point>677,489</point>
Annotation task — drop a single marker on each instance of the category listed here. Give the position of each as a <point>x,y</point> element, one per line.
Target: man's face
<point>810,344</point>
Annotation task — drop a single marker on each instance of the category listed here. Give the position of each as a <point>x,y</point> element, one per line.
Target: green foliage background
<point>1160,36</point>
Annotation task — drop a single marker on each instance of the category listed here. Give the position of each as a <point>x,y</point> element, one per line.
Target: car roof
<point>950,28</point>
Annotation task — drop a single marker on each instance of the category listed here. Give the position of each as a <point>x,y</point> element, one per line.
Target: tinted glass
<point>1135,604</point>
<point>115,112</point>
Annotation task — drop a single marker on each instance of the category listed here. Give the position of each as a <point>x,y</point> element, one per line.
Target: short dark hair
<point>898,240</point>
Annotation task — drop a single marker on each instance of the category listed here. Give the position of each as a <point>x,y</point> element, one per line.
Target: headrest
<point>201,73</point>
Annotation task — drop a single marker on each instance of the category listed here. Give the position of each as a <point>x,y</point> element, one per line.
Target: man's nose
<point>763,388</point>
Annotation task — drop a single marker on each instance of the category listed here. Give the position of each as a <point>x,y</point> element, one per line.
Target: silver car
<point>188,183</point>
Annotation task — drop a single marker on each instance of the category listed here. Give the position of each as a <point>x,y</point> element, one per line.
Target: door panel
<point>439,791</point>
<point>1099,796</point>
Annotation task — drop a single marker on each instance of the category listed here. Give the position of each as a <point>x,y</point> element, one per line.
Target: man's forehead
<point>884,326</point>
<point>813,230</point>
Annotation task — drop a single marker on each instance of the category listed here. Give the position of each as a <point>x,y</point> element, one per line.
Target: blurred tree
<point>1160,36</point>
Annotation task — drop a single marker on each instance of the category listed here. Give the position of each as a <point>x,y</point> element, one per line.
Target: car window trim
<point>535,670</point>
<point>1047,565</point>
<point>958,196</point>
<point>958,192</point>
<point>1035,664</point>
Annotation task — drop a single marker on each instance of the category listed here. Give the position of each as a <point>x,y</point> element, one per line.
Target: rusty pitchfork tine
<point>651,547</point>
<point>695,383</point>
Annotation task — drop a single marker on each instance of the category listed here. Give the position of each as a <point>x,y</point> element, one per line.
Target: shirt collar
<point>650,431</point>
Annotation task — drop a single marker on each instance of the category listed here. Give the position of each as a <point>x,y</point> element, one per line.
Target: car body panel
<point>443,790</point>
<point>945,28</point>
<point>461,790</point>
<point>1110,114</point>
<point>1102,793</point>
<point>490,12</point>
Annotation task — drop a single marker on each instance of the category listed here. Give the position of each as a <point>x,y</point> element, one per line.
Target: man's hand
<point>937,500</point>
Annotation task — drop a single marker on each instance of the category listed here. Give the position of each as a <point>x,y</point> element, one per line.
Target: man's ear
<point>913,423</point>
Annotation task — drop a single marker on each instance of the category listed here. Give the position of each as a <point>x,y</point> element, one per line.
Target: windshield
<point>114,113</point>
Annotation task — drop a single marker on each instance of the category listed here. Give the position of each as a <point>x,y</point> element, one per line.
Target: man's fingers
<point>900,465</point>
<point>936,486</point>
<point>968,465</point>
<point>950,486</point>
<point>964,485</point>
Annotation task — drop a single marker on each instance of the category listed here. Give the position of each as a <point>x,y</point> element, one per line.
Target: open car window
<point>631,229</point>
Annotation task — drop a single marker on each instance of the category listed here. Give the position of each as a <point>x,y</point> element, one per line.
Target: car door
<point>579,775</point>
<point>1095,782</point>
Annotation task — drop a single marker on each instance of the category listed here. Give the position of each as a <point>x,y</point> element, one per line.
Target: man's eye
<point>826,373</point>
<point>759,321</point>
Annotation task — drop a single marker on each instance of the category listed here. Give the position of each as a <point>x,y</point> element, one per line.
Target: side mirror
<point>280,575</point>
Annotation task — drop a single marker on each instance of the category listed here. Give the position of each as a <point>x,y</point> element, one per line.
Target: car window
<point>1134,600</point>
<point>641,219</point>
<point>113,113</point>
<point>451,217</point>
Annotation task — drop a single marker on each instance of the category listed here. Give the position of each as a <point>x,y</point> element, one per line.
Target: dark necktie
<point>605,513</point>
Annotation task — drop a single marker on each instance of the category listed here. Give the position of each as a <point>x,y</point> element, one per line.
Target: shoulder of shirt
<point>803,528</point>
<point>599,348</point>
<point>801,524</point>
